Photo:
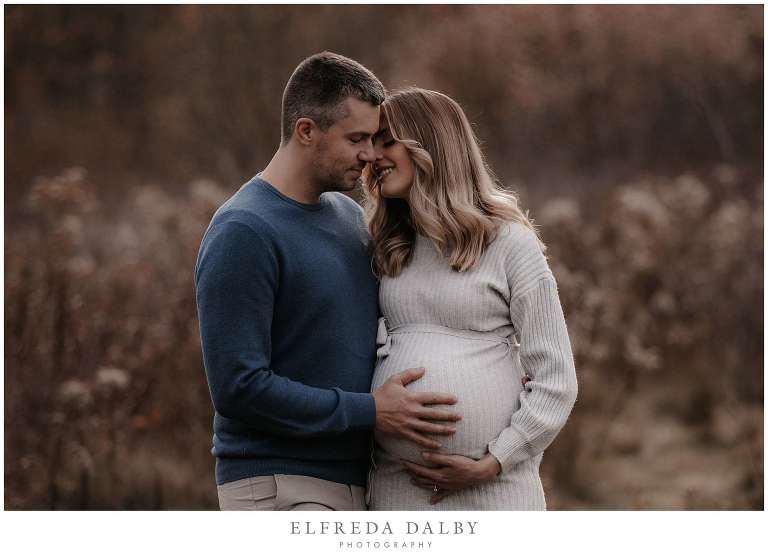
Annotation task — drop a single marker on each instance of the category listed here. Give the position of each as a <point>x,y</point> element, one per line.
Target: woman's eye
<point>389,143</point>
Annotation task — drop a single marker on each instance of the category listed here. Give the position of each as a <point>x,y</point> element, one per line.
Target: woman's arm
<point>545,401</point>
<point>550,391</point>
<point>545,354</point>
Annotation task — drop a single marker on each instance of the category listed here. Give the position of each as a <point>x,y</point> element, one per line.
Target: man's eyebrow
<point>361,134</point>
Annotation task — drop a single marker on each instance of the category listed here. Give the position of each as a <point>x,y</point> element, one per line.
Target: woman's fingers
<point>439,496</point>
<point>423,483</point>
<point>429,484</point>
<point>441,458</point>
<point>422,471</point>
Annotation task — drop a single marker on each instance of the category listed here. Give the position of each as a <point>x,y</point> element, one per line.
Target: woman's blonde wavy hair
<point>454,200</point>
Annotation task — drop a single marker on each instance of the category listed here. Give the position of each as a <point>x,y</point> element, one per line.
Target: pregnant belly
<point>483,374</point>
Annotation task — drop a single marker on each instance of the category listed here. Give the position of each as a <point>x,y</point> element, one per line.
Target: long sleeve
<point>546,356</point>
<point>236,279</point>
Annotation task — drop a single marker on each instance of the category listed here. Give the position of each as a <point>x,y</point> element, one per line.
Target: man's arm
<point>236,280</point>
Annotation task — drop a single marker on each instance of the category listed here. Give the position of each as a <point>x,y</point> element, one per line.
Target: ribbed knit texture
<point>487,328</point>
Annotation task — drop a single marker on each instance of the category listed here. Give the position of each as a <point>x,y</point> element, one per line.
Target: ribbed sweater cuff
<point>510,448</point>
<point>361,409</point>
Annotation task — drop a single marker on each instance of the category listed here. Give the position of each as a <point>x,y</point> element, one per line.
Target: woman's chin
<point>391,194</point>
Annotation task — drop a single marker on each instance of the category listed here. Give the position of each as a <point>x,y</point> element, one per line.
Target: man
<point>288,310</point>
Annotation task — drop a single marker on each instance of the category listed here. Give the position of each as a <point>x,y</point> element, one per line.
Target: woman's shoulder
<point>516,238</point>
<point>524,261</point>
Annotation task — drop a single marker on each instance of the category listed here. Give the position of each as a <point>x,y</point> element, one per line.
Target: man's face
<point>345,147</point>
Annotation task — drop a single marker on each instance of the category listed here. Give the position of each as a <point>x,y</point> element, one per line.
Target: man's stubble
<point>326,177</point>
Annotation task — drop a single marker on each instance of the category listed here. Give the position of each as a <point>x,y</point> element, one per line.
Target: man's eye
<point>355,140</point>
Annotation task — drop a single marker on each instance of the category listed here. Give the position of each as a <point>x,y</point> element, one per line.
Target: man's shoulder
<point>237,229</point>
<point>236,234</point>
<point>246,207</point>
<point>344,203</point>
<point>233,218</point>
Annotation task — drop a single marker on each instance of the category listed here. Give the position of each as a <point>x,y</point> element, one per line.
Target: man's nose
<point>370,153</point>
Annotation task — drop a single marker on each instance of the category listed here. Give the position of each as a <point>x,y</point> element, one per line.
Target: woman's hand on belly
<point>455,472</point>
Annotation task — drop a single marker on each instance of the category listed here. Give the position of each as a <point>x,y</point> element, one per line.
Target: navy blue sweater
<point>288,308</point>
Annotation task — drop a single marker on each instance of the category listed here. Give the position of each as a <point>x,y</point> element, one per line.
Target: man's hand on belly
<point>455,472</point>
<point>406,414</point>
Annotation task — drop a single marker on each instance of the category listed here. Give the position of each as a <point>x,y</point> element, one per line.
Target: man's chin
<point>351,183</point>
<point>344,184</point>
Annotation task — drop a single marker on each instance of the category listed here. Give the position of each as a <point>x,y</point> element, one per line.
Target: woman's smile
<point>383,173</point>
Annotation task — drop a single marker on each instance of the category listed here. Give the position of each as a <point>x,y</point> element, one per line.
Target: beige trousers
<point>288,492</point>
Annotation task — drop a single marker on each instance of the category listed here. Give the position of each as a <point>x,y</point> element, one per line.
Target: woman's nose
<point>378,149</point>
<point>370,153</point>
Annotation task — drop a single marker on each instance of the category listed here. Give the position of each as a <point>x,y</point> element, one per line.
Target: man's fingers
<point>431,428</point>
<point>437,415</point>
<point>435,398</point>
<point>421,440</point>
<point>409,375</point>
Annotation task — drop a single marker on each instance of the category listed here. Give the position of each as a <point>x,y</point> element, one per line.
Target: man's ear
<point>305,130</point>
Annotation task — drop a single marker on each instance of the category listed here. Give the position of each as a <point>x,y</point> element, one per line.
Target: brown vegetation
<point>638,151</point>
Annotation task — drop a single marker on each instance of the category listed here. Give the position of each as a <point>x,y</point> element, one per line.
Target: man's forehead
<point>357,113</point>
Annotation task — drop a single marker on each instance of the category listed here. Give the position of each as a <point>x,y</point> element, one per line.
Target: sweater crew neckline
<point>309,207</point>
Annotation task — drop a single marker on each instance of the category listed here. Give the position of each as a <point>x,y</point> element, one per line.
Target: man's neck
<point>287,173</point>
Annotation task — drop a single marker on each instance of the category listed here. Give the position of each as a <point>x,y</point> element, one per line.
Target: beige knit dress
<point>477,333</point>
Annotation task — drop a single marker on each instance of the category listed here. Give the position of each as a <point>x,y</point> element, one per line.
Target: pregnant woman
<point>466,293</point>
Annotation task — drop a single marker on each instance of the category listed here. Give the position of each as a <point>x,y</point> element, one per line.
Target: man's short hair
<point>319,85</point>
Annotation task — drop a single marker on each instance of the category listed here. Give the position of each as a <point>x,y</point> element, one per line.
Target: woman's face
<point>393,166</point>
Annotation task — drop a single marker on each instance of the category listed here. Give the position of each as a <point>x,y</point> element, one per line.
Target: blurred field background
<point>633,134</point>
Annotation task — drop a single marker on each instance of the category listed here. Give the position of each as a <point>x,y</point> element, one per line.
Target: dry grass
<point>107,405</point>
<point>634,134</point>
